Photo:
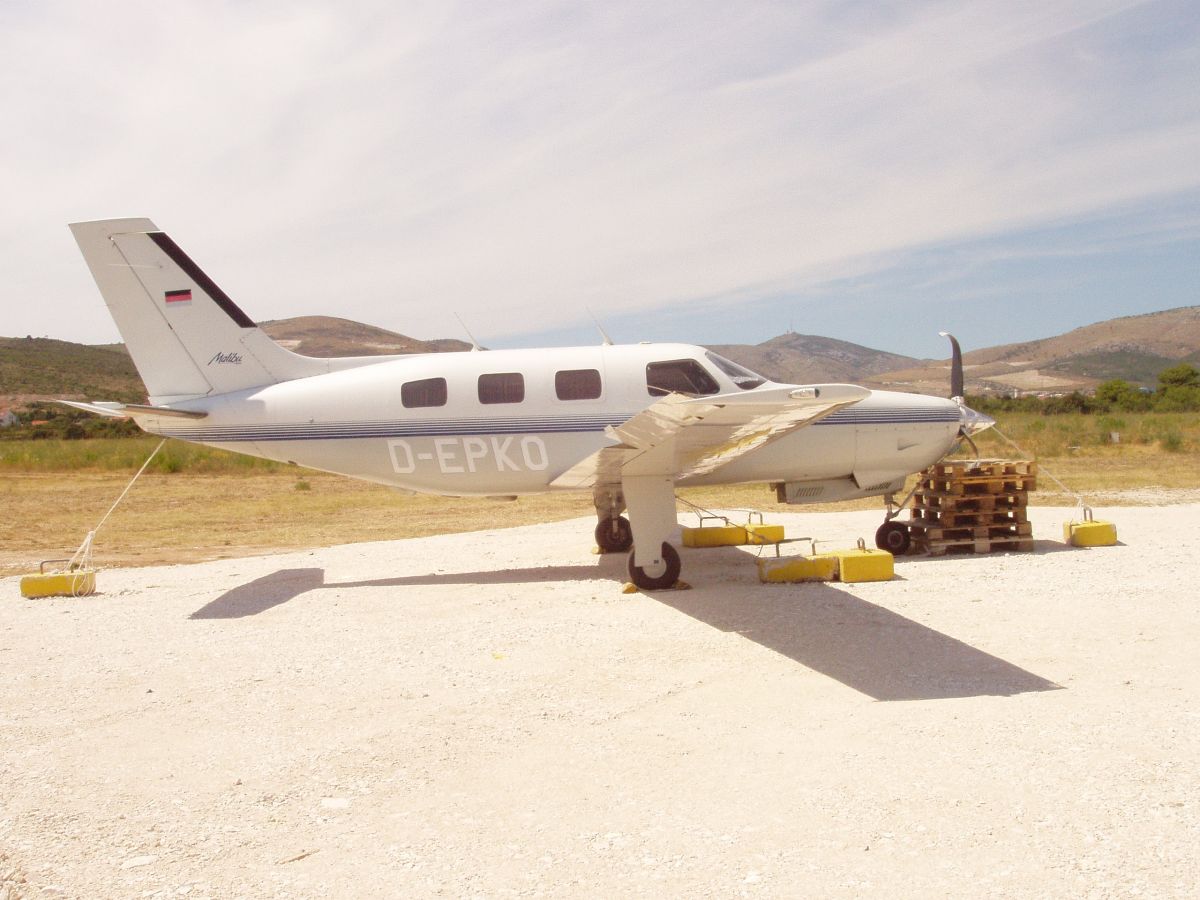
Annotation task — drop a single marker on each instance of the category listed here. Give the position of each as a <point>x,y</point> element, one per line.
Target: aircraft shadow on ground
<point>261,594</point>
<point>864,646</point>
<point>279,587</point>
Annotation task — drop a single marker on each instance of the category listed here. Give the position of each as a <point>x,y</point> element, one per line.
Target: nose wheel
<point>894,537</point>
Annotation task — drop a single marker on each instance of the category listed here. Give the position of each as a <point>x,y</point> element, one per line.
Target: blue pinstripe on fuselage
<point>514,425</point>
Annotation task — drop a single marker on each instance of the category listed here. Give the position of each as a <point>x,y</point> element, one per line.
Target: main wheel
<point>893,537</point>
<point>657,581</point>
<point>614,535</point>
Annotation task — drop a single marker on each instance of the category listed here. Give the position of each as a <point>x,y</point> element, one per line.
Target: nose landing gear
<point>894,537</point>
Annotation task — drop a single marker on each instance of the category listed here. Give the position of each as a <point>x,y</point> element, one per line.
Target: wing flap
<point>682,436</point>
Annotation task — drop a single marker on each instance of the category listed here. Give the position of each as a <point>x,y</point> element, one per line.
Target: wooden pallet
<point>960,469</point>
<point>969,532</point>
<point>955,518</point>
<point>973,506</point>
<point>984,545</point>
<point>935,501</point>
<point>980,477</point>
<point>976,487</point>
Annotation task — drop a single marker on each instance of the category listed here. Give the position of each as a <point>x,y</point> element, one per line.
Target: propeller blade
<point>956,367</point>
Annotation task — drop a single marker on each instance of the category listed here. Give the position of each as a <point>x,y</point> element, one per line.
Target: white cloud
<point>516,163</point>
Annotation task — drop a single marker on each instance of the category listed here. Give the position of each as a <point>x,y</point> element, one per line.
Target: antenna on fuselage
<point>605,339</point>
<point>474,343</point>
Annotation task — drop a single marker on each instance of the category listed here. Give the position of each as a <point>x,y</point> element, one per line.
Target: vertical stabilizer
<point>186,337</point>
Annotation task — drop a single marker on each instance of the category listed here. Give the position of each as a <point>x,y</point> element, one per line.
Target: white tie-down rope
<point>83,556</point>
<point>1042,470</point>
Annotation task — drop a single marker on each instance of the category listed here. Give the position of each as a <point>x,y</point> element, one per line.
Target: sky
<point>703,172</point>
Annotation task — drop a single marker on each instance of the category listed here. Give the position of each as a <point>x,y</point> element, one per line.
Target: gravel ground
<point>489,715</point>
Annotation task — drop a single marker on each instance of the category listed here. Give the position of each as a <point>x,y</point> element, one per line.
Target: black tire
<point>894,537</point>
<point>614,535</point>
<point>659,582</point>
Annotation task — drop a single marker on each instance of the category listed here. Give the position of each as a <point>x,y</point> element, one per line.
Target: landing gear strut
<point>663,576</point>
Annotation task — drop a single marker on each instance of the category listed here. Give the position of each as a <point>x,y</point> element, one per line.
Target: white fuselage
<point>364,422</point>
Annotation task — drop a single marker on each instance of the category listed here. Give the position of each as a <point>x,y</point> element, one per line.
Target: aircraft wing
<point>683,436</point>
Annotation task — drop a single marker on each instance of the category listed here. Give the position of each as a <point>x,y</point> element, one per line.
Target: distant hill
<point>807,359</point>
<point>327,336</point>
<point>43,368</point>
<point>1135,348</point>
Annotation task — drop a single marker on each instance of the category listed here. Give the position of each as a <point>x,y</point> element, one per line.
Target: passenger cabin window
<point>739,375</point>
<point>683,376</point>
<point>503,387</point>
<point>577,384</point>
<point>426,392</point>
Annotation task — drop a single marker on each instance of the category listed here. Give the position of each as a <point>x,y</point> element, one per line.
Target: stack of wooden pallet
<point>973,506</point>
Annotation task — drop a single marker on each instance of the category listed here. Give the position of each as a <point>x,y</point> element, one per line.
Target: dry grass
<point>188,517</point>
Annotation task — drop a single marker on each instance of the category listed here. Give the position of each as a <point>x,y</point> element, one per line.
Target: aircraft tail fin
<point>188,339</point>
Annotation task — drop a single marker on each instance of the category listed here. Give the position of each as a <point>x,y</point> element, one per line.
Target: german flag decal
<point>179,298</point>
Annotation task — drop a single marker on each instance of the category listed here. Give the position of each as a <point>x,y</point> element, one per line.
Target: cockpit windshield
<point>739,375</point>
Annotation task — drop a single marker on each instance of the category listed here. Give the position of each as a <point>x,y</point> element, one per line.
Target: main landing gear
<point>654,564</point>
<point>657,577</point>
<point>613,534</point>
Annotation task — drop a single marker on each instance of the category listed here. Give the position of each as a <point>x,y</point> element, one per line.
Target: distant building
<point>8,418</point>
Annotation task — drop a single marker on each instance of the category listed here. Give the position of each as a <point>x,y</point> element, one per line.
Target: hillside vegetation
<point>46,367</point>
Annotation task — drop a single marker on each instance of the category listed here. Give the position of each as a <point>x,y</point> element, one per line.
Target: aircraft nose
<point>973,422</point>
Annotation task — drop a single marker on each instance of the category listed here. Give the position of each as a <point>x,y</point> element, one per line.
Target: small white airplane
<point>627,423</point>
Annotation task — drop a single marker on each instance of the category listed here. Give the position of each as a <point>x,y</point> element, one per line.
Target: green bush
<point>1172,441</point>
<point>1178,399</point>
<point>1182,375</point>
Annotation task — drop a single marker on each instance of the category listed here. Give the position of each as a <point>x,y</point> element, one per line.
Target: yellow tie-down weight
<point>74,582</point>
<point>1089,532</point>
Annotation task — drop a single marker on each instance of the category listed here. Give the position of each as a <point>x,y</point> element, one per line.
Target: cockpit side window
<point>739,375</point>
<point>682,376</point>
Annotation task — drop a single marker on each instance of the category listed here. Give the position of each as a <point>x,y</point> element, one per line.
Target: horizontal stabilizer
<point>133,410</point>
<point>102,408</point>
